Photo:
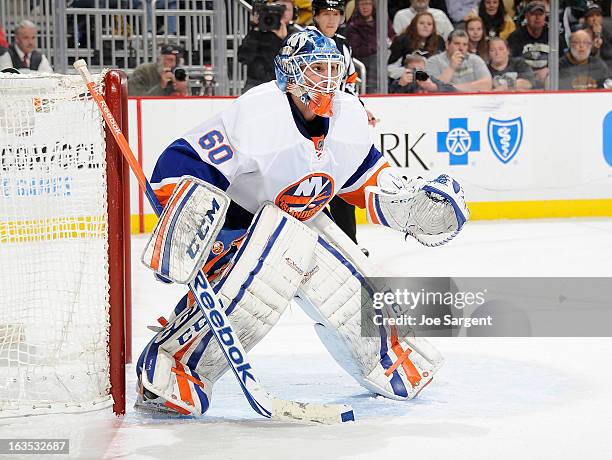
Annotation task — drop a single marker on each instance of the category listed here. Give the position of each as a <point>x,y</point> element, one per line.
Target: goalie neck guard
<point>310,66</point>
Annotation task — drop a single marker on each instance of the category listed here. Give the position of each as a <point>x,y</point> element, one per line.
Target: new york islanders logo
<point>306,197</point>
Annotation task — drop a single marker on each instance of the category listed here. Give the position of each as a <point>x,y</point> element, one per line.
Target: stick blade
<point>327,414</point>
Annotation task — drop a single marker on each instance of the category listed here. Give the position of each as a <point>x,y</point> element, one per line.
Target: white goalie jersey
<point>272,157</point>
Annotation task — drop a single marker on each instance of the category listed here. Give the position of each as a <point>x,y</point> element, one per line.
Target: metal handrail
<point>125,37</point>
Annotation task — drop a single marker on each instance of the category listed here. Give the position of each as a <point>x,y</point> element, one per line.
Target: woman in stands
<point>420,37</point>
<point>496,21</point>
<point>361,35</point>
<point>477,44</point>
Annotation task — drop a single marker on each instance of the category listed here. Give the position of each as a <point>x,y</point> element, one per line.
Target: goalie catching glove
<point>432,212</point>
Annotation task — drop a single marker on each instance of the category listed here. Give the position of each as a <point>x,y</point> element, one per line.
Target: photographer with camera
<point>271,23</point>
<point>416,80</point>
<point>466,72</point>
<point>162,78</point>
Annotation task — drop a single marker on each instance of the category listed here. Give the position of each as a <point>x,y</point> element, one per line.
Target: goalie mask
<point>310,66</point>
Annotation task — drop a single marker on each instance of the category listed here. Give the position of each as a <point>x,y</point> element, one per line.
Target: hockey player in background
<point>281,152</point>
<point>328,15</point>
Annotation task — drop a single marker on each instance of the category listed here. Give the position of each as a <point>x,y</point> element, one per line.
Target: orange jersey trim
<point>357,197</point>
<point>164,192</point>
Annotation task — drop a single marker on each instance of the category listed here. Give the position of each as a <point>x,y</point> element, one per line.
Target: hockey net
<point>62,278</point>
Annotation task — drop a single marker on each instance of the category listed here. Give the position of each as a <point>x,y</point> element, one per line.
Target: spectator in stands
<point>416,80</point>
<point>420,37</point>
<point>578,70</point>
<point>259,48</point>
<point>22,53</point>
<point>520,6</point>
<point>602,36</point>
<point>465,71</point>
<point>531,41</point>
<point>497,23</point>
<point>361,35</point>
<point>474,26</point>
<point>460,10</point>
<point>404,17</point>
<point>509,73</point>
<point>160,78</point>
<point>396,5</point>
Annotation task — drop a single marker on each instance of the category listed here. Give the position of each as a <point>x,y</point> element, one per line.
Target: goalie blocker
<point>186,230</point>
<point>325,271</point>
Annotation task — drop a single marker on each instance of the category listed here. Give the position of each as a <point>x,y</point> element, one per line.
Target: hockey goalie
<point>245,194</point>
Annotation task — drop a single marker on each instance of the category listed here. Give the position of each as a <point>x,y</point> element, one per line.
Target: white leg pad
<point>178,388</point>
<point>395,367</point>
<point>255,290</point>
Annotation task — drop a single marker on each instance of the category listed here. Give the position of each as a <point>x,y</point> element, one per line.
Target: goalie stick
<point>258,397</point>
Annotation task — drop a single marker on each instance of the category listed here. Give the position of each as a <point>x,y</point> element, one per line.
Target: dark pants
<point>344,216</point>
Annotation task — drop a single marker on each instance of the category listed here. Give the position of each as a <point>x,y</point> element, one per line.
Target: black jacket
<point>257,51</point>
<point>35,58</point>
<point>533,50</point>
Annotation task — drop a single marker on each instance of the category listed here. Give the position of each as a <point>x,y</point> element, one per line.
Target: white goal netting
<point>54,302</point>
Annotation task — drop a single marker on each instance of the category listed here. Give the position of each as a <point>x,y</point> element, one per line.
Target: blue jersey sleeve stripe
<point>370,160</point>
<point>180,159</point>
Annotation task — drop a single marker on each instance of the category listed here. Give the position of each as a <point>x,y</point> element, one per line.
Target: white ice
<point>536,398</point>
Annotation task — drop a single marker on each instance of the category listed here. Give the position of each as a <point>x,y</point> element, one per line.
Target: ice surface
<point>536,398</point>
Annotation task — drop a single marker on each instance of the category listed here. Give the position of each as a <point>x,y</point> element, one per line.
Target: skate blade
<point>157,408</point>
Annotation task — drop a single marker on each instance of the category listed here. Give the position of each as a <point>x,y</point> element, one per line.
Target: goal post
<point>64,246</point>
<point>119,229</point>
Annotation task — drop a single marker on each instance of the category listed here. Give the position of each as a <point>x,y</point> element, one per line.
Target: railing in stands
<point>126,33</point>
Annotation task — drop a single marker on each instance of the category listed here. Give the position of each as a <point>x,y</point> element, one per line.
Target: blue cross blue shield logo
<point>458,141</point>
<point>505,137</point>
<point>607,138</point>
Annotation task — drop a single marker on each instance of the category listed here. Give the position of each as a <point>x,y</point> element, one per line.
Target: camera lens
<point>180,74</point>
<point>421,75</point>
